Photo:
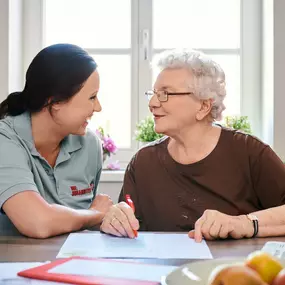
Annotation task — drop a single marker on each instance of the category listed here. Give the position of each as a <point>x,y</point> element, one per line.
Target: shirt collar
<point>23,127</point>
<point>72,143</point>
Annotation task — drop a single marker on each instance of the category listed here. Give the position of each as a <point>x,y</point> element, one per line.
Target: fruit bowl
<point>197,273</point>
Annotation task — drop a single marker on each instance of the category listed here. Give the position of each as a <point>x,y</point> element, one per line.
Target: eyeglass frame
<point>166,93</point>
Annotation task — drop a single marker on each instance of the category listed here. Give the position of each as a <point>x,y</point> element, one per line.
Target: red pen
<point>131,204</point>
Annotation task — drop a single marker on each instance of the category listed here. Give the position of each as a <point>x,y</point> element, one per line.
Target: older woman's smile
<point>156,117</point>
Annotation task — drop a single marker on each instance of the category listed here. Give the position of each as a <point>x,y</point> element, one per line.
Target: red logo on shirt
<point>77,192</point>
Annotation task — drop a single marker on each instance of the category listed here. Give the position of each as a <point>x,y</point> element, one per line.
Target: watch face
<point>252,217</point>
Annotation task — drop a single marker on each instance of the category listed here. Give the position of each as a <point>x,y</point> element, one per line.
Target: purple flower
<point>113,165</point>
<point>109,145</point>
<point>98,133</point>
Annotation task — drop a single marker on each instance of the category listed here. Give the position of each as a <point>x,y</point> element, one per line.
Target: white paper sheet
<point>100,268</point>
<point>276,248</point>
<point>8,274</point>
<point>146,245</point>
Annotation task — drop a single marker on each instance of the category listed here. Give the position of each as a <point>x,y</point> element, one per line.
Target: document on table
<point>276,248</point>
<point>8,274</point>
<point>146,245</point>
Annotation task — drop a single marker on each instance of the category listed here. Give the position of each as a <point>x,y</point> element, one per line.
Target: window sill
<point>112,175</point>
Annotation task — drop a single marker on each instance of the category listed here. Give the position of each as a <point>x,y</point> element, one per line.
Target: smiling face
<point>73,116</point>
<point>180,111</point>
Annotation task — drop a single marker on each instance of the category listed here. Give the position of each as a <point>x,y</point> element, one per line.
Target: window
<point>123,36</point>
<point>201,25</point>
<point>90,24</point>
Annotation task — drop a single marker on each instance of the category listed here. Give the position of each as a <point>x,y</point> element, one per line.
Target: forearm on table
<point>55,220</point>
<point>271,221</point>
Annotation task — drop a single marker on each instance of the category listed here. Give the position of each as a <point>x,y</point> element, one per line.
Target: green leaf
<point>145,131</point>
<point>238,123</point>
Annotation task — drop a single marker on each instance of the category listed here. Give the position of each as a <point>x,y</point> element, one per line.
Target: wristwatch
<point>254,220</point>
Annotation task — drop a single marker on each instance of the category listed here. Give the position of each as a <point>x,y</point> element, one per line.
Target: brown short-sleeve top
<point>241,175</point>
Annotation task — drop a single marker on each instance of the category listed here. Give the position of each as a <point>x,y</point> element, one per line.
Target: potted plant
<point>145,131</point>
<point>238,123</point>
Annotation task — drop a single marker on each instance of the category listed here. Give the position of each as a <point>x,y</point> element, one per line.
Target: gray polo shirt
<point>73,180</point>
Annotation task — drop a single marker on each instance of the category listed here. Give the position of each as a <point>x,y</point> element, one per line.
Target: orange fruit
<point>264,264</point>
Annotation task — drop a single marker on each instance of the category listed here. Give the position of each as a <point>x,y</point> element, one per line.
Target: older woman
<point>203,178</point>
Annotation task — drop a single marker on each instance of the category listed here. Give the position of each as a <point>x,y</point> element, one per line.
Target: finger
<point>191,234</point>
<point>124,221</point>
<point>205,228</point>
<point>197,230</point>
<point>116,224</point>
<point>107,223</point>
<point>109,229</point>
<point>130,215</point>
<point>224,232</point>
<point>236,234</point>
<point>121,224</point>
<point>103,196</point>
<point>215,230</point>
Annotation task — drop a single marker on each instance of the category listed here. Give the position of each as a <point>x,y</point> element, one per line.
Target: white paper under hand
<point>146,245</point>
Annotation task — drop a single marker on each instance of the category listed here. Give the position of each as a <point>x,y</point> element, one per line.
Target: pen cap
<point>130,202</point>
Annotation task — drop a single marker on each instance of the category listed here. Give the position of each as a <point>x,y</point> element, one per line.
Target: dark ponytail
<point>56,74</point>
<point>14,105</point>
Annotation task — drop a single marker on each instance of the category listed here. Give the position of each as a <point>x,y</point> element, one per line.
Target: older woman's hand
<point>120,221</point>
<point>214,225</point>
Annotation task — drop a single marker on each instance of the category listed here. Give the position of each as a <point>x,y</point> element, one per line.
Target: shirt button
<point>49,172</point>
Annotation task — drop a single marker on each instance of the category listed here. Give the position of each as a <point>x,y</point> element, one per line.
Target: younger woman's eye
<point>93,97</point>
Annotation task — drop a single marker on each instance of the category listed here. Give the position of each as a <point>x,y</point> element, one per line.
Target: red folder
<point>42,273</point>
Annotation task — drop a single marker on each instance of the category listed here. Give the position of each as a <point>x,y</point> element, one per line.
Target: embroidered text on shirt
<point>76,192</point>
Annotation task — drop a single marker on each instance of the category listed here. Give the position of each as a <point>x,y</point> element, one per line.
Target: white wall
<point>279,79</point>
<point>32,30</point>
<point>273,87</point>
<point>112,189</point>
<point>268,72</point>
<point>11,50</point>
<point>251,63</point>
<point>4,48</point>
<point>15,46</point>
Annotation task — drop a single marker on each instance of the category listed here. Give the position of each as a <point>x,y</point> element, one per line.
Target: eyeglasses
<point>162,95</point>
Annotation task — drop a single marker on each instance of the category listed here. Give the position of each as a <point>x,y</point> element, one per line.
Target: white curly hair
<point>209,77</point>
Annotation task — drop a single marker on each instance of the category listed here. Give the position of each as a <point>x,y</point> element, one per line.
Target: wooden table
<point>14,247</point>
